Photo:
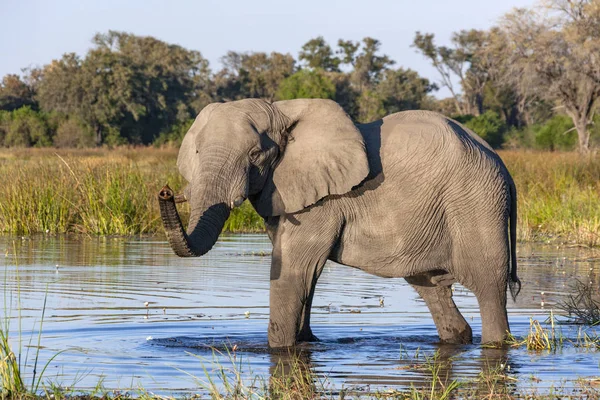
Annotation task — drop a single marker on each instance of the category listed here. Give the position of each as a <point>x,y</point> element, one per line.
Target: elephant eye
<point>255,155</point>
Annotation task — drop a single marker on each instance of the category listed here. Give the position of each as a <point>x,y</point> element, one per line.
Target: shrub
<point>174,136</point>
<point>27,128</point>
<point>306,84</point>
<point>489,126</point>
<point>556,134</point>
<point>73,133</point>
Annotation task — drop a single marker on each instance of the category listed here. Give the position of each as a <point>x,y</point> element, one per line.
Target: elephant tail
<point>515,283</point>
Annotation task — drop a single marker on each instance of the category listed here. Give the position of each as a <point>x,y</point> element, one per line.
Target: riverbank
<point>113,192</point>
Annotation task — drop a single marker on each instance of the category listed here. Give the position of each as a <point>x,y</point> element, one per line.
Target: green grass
<point>559,196</point>
<point>93,192</point>
<point>113,192</point>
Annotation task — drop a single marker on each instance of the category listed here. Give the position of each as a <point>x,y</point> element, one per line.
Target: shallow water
<point>96,290</point>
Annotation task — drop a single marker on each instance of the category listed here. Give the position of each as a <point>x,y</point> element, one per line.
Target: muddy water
<point>129,313</point>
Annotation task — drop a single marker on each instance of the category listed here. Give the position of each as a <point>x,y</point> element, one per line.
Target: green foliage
<point>4,125</point>
<point>244,219</point>
<point>26,128</point>
<point>371,106</point>
<point>127,89</point>
<point>318,55</point>
<point>132,89</point>
<point>556,134</point>
<point>489,126</point>
<point>175,135</point>
<point>306,84</point>
<point>403,89</point>
<point>255,75</point>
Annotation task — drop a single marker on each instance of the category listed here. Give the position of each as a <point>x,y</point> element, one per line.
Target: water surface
<point>129,313</point>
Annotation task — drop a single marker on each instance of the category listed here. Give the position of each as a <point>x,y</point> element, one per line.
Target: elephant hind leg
<point>451,325</point>
<point>492,306</point>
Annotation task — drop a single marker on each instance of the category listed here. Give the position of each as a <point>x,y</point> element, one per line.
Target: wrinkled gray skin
<point>413,195</point>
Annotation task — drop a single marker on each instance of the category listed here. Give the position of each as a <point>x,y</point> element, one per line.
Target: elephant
<point>413,195</point>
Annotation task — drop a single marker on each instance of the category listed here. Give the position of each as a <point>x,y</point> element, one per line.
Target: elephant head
<point>283,156</point>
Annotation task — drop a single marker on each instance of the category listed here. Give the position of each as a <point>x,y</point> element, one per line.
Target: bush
<point>556,134</point>
<point>489,126</point>
<point>174,136</point>
<point>27,128</point>
<point>72,133</point>
<point>306,84</point>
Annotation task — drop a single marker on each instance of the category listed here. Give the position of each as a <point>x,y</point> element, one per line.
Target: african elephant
<point>413,195</point>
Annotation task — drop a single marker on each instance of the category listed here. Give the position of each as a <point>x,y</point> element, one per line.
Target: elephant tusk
<point>236,203</point>
<point>180,198</point>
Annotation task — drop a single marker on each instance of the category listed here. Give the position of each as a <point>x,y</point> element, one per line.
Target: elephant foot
<point>306,335</point>
<point>462,335</point>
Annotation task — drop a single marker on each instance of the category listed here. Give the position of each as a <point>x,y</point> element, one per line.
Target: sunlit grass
<point>93,192</point>
<point>113,192</point>
<point>559,195</point>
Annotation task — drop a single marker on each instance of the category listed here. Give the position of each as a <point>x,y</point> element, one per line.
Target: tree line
<point>532,80</point>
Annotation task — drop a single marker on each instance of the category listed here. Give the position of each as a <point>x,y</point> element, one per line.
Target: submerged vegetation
<point>113,192</point>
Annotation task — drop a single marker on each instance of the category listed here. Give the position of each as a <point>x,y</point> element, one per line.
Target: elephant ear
<point>324,155</point>
<point>187,150</point>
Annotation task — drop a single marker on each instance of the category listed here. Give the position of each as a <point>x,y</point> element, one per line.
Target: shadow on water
<point>131,313</point>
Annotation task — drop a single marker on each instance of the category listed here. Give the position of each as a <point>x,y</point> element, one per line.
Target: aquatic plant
<point>580,306</point>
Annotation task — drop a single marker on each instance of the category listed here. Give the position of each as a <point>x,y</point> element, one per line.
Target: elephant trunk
<point>204,227</point>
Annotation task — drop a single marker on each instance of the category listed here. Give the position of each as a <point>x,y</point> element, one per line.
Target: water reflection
<point>130,311</point>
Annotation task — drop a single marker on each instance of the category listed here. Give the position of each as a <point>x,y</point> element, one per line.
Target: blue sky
<point>34,32</point>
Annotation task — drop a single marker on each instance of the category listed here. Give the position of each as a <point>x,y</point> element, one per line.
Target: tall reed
<point>559,195</point>
<point>113,192</point>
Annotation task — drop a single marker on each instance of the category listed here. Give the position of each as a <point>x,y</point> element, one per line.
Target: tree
<point>306,84</point>
<point>256,75</point>
<point>318,54</point>
<point>553,54</point>
<point>369,66</point>
<point>463,62</point>
<point>14,93</point>
<point>403,89</point>
<point>128,88</point>
<point>73,133</point>
<point>347,49</point>
<point>488,126</point>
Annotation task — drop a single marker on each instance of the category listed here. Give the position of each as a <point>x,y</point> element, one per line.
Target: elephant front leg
<point>306,334</point>
<point>451,325</point>
<point>296,265</point>
<point>286,306</point>
<point>290,304</point>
